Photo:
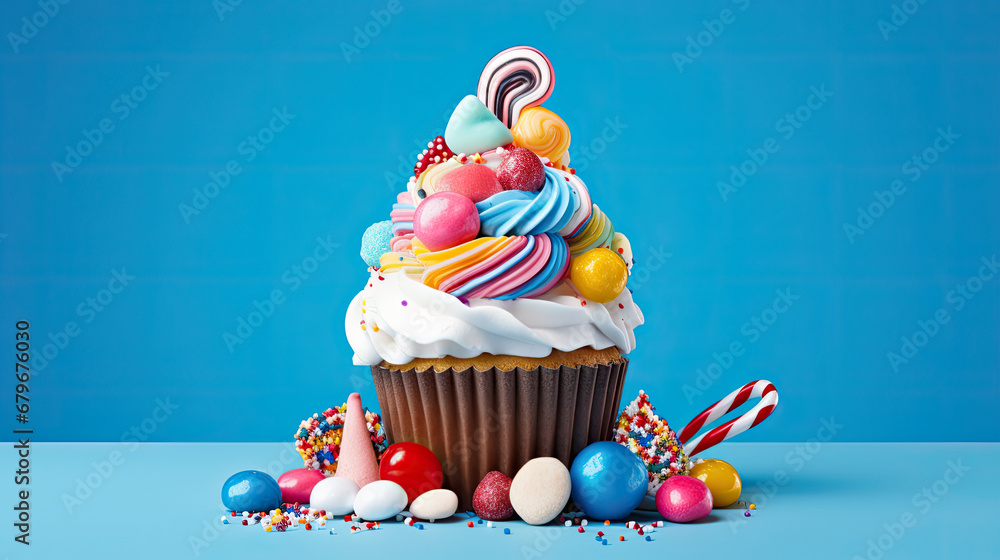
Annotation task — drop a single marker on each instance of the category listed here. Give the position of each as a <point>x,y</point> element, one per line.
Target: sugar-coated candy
<point>491,499</point>
<point>375,242</point>
<point>520,169</point>
<point>473,181</point>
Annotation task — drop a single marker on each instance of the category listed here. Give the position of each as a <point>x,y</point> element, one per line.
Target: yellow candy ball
<point>599,275</point>
<point>722,480</point>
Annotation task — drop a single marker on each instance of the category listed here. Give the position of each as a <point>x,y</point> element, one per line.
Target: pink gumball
<point>297,484</point>
<point>445,219</point>
<point>473,181</point>
<point>683,498</point>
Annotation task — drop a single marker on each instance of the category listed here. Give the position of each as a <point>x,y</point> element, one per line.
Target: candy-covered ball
<point>412,466</point>
<point>473,181</point>
<point>520,169</point>
<point>609,481</point>
<point>444,220</point>
<point>251,491</point>
<point>375,242</point>
<point>682,498</point>
<point>491,501</point>
<point>721,478</point>
<point>297,484</point>
<point>599,275</point>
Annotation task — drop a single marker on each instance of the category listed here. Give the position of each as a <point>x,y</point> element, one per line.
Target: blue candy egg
<point>375,242</point>
<point>608,480</point>
<point>251,491</point>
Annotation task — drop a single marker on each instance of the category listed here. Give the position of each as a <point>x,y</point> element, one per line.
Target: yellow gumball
<point>722,480</point>
<point>599,275</point>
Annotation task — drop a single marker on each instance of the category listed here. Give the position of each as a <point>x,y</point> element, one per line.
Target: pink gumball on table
<point>444,220</point>
<point>683,498</point>
<point>297,484</point>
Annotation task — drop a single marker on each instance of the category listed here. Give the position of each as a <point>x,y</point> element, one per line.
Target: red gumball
<point>412,466</point>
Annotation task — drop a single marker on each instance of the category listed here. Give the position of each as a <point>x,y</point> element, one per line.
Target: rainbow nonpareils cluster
<point>318,438</point>
<point>651,439</point>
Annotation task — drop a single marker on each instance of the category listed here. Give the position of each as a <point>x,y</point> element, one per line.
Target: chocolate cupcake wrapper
<point>479,421</point>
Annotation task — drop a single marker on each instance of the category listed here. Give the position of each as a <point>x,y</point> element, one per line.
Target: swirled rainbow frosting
<point>492,216</point>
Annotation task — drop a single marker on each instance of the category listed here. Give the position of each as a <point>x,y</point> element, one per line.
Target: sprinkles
<point>651,439</point>
<point>318,437</point>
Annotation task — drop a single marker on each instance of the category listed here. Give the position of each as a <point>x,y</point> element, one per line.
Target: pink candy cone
<point>357,457</point>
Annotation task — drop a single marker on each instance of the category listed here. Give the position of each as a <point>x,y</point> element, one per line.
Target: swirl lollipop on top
<point>513,80</point>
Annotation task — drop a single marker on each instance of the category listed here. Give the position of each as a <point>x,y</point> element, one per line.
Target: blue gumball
<point>251,491</point>
<point>609,481</point>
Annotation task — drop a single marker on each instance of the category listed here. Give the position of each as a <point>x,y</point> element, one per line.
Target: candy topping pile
<point>493,209</point>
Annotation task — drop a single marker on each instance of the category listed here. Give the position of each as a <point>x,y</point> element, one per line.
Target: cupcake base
<point>478,418</point>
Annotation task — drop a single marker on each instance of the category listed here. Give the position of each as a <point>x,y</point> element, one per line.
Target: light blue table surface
<point>816,500</point>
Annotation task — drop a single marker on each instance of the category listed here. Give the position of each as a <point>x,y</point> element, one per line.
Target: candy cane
<point>513,80</point>
<point>762,389</point>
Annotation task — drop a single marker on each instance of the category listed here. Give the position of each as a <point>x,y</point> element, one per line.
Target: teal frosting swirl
<point>529,213</point>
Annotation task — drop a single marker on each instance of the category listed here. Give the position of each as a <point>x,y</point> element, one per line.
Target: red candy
<point>411,465</point>
<point>521,170</point>
<point>445,219</point>
<point>491,501</point>
<point>436,152</point>
<point>473,181</point>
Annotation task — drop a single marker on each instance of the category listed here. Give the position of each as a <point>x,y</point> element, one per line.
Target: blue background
<point>355,116</point>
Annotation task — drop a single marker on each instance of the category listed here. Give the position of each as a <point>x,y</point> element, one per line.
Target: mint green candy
<point>475,129</point>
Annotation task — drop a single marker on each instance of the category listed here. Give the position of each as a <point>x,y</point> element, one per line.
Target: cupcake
<point>496,319</point>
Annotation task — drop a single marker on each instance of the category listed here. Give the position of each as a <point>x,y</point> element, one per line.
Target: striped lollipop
<point>762,389</point>
<point>513,80</point>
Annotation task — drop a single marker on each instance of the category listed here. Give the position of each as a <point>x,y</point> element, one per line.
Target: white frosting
<point>434,324</point>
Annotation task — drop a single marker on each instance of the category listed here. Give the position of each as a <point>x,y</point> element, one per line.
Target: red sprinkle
<point>621,250</point>
<point>620,306</point>
<point>583,303</point>
<point>579,529</point>
<point>600,533</point>
<point>471,524</point>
